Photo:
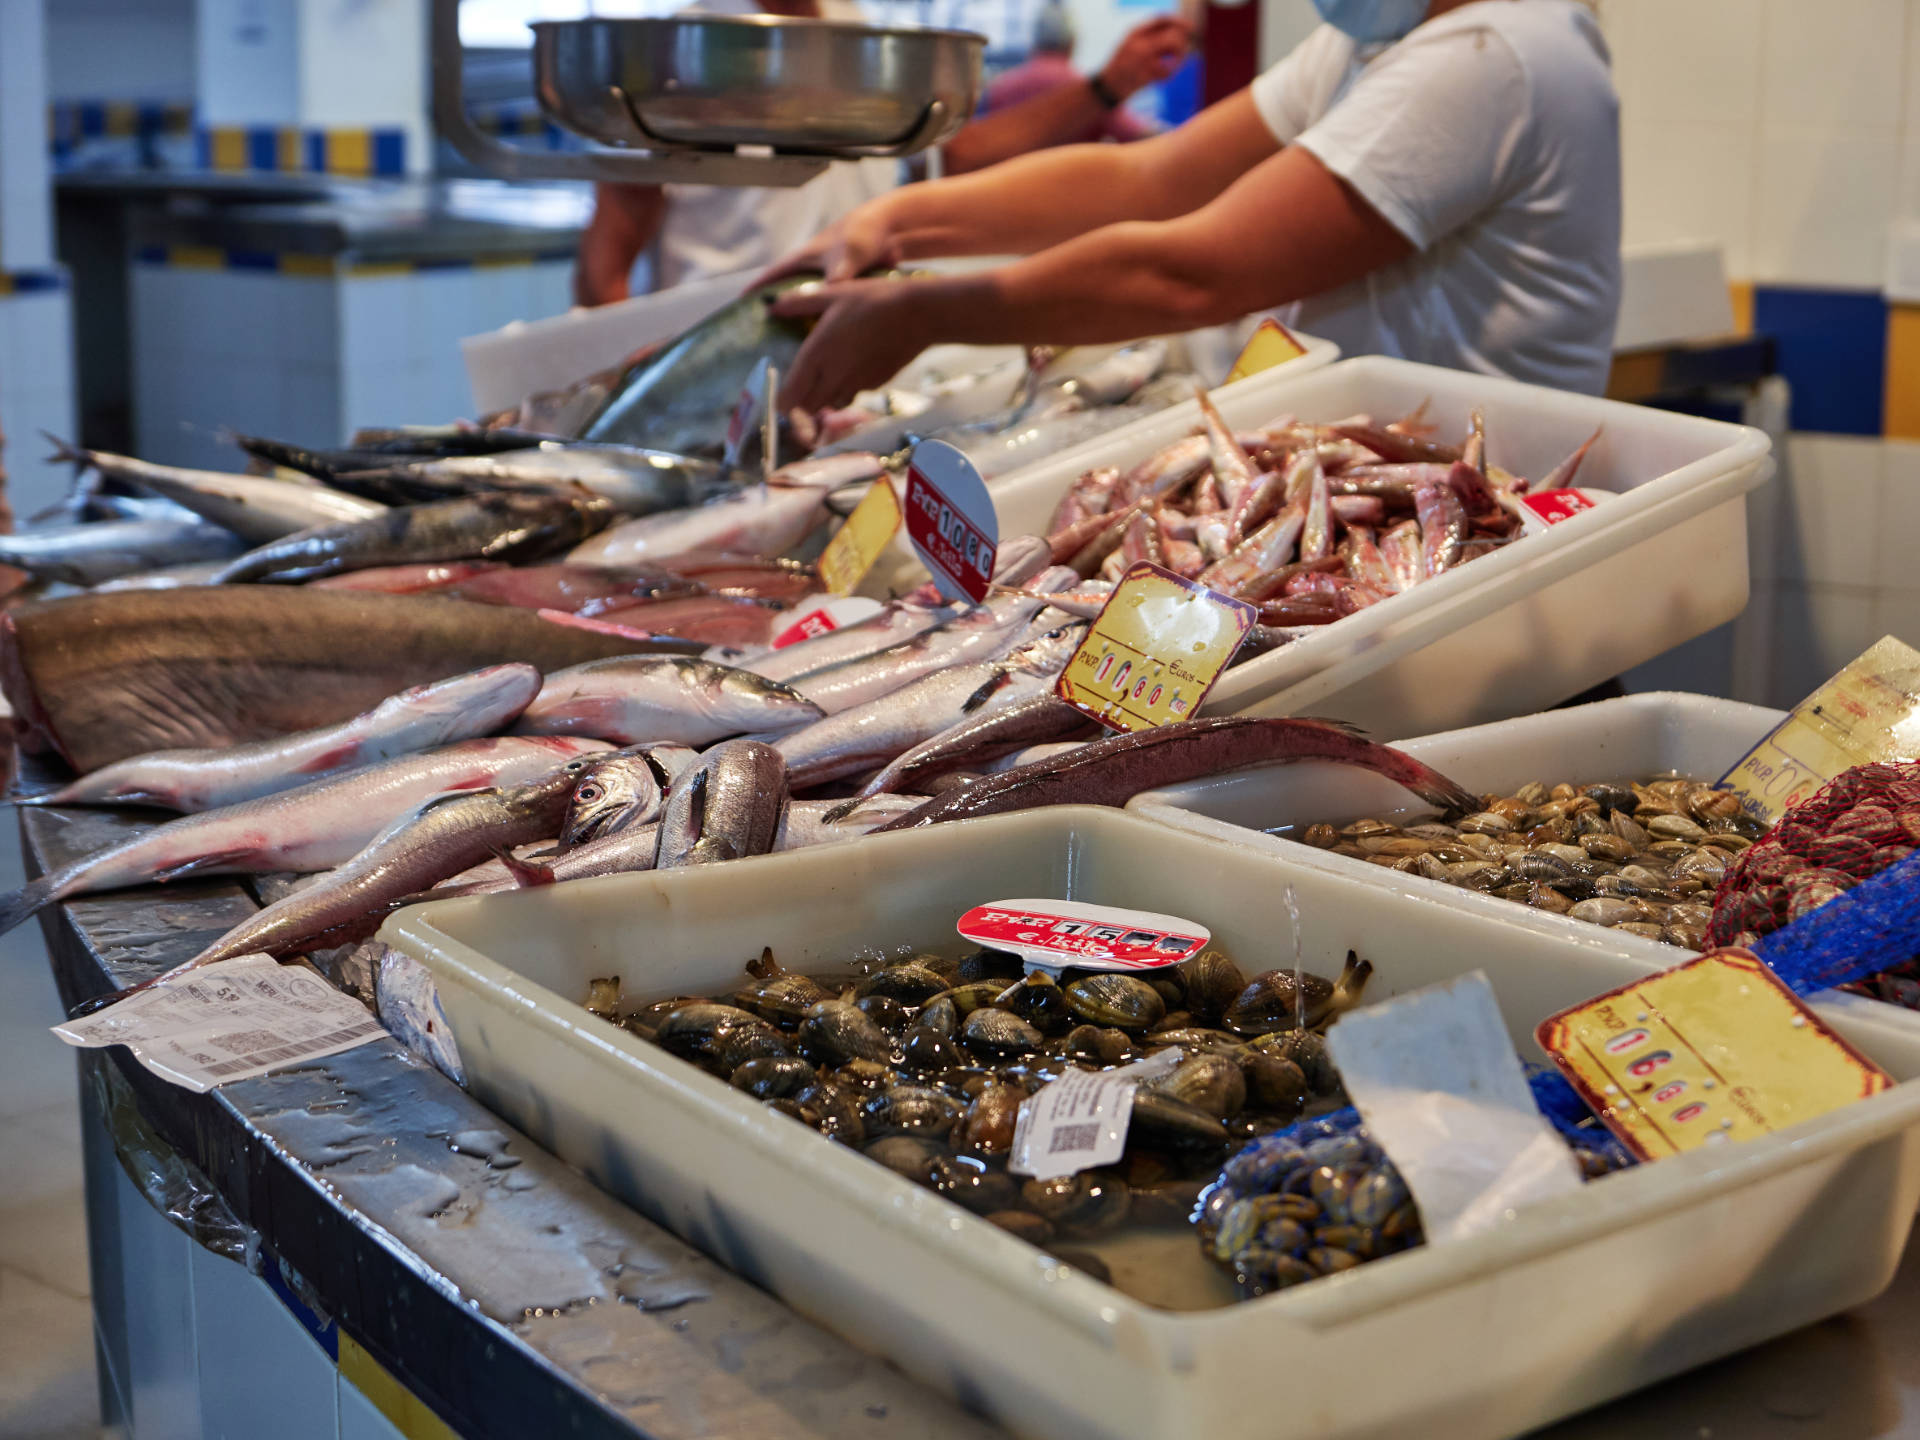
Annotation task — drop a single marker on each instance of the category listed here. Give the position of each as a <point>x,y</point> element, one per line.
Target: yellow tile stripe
<point>349,152</point>
<point>1741,293</point>
<point>197,257</point>
<point>1901,410</point>
<point>404,1410</point>
<point>227,148</point>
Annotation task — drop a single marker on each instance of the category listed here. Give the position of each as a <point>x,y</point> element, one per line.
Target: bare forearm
<point>1017,207</point>
<point>1037,124</point>
<point>1115,284</point>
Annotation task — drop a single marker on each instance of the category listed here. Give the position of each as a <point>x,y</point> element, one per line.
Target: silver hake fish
<point>642,700</point>
<point>313,827</point>
<point>726,807</point>
<point>422,718</point>
<point>870,735</point>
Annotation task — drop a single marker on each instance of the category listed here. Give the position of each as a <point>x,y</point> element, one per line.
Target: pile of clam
<point>1640,858</point>
<point>922,1062</point>
<point>1321,1197</point>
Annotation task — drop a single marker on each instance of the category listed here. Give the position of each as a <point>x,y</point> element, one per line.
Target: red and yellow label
<point>1270,345</point>
<point>1715,1050</point>
<point>861,540</point>
<point>1155,650</point>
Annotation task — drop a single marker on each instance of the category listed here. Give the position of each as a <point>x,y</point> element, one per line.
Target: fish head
<point>1048,653</point>
<point>625,791</point>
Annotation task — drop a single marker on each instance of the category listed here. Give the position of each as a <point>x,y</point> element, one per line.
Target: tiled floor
<point>46,1327</point>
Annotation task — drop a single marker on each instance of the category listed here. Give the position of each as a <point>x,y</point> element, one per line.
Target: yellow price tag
<point>859,542</point>
<point>1154,652</point>
<point>1717,1049</point>
<point>1272,344</point>
<point>1869,711</point>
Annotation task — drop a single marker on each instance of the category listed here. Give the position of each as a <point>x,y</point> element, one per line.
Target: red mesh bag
<point>1863,821</point>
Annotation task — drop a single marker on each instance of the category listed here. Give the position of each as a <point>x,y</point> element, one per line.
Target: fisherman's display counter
<point>355,1247</point>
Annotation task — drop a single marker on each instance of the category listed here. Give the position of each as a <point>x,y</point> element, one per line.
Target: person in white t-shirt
<point>1432,179</point>
<point>700,231</point>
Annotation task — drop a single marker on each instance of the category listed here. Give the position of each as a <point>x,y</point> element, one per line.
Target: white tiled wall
<point>120,49</point>
<point>1787,131</point>
<point>26,213</point>
<point>246,350</point>
<point>310,359</point>
<point>36,394</point>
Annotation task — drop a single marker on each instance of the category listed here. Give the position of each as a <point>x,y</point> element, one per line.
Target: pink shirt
<point>1045,73</point>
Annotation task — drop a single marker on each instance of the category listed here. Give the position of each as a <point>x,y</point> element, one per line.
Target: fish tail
<point>26,902</point>
<point>1436,789</point>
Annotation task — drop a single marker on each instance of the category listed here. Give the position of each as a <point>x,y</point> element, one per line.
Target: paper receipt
<point>229,1021</point>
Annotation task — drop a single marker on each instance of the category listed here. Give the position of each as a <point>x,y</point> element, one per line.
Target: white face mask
<point>1368,20</point>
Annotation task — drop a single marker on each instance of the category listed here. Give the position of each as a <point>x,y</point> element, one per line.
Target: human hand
<point>866,332</point>
<point>1151,52</point>
<point>848,248</point>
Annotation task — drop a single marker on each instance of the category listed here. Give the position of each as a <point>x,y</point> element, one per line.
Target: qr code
<point>1074,1137</point>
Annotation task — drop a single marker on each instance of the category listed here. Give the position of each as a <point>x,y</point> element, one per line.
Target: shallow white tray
<point>1529,625</point>
<point>1640,1275</point>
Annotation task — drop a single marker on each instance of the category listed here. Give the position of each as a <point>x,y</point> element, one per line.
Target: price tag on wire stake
<point>951,521</point>
<point>862,539</point>
<point>1155,650</point>
<point>1270,345</point>
<point>1066,934</point>
<point>1715,1050</point>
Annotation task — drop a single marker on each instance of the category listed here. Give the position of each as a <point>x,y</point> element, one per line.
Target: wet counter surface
<point>514,1297</point>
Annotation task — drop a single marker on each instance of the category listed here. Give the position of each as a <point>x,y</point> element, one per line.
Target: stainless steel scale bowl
<point>800,87</point>
<point>721,99</point>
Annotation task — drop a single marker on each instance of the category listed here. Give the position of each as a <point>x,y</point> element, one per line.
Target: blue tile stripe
<point>1831,345</point>
<point>210,257</point>
<point>325,1332</point>
<point>522,121</point>
<point>31,282</point>
<point>71,121</point>
<point>380,152</point>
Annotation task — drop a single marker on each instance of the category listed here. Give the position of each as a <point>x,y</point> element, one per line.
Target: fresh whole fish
<point>257,510</point>
<point>965,400</point>
<point>568,587</point>
<point>681,395</point>
<point>422,718</point>
<point>1114,770</point>
<point>640,700</point>
<point>626,790</point>
<point>1443,527</point>
<point>435,575</point>
<point>985,632</point>
<point>101,677</point>
<point>634,480</point>
<point>979,738</point>
<point>897,622</point>
<point>727,806</point>
<point>441,837</point>
<point>868,736</point>
<point>761,520</point>
<point>503,526</point>
<point>168,577</point>
<point>103,550</point>
<point>728,620</point>
<point>311,827</point>
<point>376,447</point>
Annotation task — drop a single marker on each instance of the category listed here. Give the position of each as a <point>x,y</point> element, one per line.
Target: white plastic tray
<point>1640,1275</point>
<point>1626,739</point>
<point>1513,631</point>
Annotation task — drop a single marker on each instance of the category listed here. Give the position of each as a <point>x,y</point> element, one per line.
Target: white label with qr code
<point>229,1021</point>
<point>1080,1120</point>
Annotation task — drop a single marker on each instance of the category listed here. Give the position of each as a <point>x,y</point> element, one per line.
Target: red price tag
<point>1057,934</point>
<point>825,617</point>
<point>950,520</point>
<point>1553,506</point>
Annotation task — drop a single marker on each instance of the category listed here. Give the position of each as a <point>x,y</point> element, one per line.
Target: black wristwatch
<point>1103,92</point>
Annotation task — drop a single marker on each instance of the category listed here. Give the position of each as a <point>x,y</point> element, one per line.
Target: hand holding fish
<point>866,332</point>
<point>860,241</point>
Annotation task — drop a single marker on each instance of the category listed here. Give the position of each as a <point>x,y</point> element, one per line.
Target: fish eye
<point>587,792</point>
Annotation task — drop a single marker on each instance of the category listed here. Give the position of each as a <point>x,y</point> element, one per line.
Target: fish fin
<point>841,811</point>
<point>201,864</point>
<point>1345,727</point>
<point>988,689</point>
<point>26,902</point>
<point>527,874</point>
